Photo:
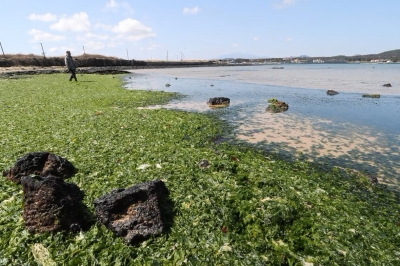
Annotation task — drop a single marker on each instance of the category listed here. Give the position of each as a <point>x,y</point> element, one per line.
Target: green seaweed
<point>248,208</point>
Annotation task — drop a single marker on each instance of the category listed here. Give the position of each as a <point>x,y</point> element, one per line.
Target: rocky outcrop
<point>51,205</point>
<point>277,106</point>
<point>371,95</point>
<point>133,213</point>
<point>332,92</point>
<point>218,102</point>
<point>387,85</point>
<point>41,164</point>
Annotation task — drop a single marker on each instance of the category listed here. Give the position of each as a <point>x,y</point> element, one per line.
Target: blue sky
<point>204,29</point>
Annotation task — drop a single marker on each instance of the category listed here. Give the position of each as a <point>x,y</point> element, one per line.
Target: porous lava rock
<point>41,164</point>
<point>332,92</point>
<point>52,205</point>
<point>277,107</point>
<point>218,101</point>
<point>133,213</point>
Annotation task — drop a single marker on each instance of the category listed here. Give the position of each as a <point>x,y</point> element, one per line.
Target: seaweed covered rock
<point>41,164</point>
<point>332,92</point>
<point>277,106</point>
<point>133,213</point>
<point>218,102</point>
<point>52,205</point>
<point>371,96</point>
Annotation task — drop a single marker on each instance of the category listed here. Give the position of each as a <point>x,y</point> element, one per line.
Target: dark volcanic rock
<point>133,213</point>
<point>42,164</point>
<point>51,205</point>
<point>332,92</point>
<point>277,107</point>
<point>218,101</point>
<point>387,85</point>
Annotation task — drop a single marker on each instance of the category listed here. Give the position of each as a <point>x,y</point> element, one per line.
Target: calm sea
<point>345,130</point>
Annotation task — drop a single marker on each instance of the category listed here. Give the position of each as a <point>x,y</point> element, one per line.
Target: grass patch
<point>248,208</point>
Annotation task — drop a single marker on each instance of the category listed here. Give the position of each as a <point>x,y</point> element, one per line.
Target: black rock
<point>41,164</point>
<point>133,213</point>
<point>332,92</point>
<point>51,205</point>
<point>218,101</point>
<point>387,85</point>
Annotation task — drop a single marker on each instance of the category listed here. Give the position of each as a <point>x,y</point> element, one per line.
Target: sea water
<point>345,130</point>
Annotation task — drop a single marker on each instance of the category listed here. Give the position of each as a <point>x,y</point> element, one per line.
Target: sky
<point>194,29</point>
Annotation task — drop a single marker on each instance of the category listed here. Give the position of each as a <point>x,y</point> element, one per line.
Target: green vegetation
<point>277,106</point>
<point>248,208</point>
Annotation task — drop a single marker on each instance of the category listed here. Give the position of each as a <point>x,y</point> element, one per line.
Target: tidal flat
<point>345,130</point>
<point>249,207</point>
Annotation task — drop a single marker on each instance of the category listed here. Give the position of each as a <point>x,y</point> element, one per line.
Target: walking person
<point>71,65</point>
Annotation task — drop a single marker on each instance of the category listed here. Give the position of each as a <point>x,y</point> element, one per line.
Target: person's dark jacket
<point>69,62</point>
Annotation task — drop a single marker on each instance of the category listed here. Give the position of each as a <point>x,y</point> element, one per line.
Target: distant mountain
<point>240,55</point>
<point>391,53</point>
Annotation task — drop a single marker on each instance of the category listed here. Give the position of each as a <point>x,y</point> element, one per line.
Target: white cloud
<point>193,10</point>
<point>93,45</point>
<point>60,49</point>
<point>77,22</point>
<point>118,6</point>
<point>235,45</point>
<point>39,35</point>
<point>256,38</point>
<point>289,39</point>
<point>133,30</point>
<point>285,4</point>
<point>91,36</point>
<point>45,17</point>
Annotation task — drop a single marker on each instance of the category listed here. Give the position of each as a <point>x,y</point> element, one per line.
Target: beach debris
<point>277,106</point>
<point>204,164</point>
<point>387,85</point>
<point>167,85</point>
<point>52,205</point>
<point>133,213</point>
<point>176,78</point>
<point>373,179</point>
<point>212,85</point>
<point>332,92</point>
<point>41,164</point>
<point>217,102</point>
<point>371,95</point>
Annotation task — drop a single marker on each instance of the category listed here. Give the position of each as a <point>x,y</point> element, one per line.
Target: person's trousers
<point>73,74</point>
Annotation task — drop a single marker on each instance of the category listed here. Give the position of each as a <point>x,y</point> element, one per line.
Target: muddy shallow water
<point>344,130</point>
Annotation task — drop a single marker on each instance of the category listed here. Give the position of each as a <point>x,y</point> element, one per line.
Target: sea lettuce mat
<point>247,208</point>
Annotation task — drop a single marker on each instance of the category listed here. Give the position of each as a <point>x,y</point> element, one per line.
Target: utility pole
<point>44,56</point>
<point>84,50</point>
<point>2,50</point>
<point>167,55</point>
<point>127,55</point>
<point>181,56</point>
